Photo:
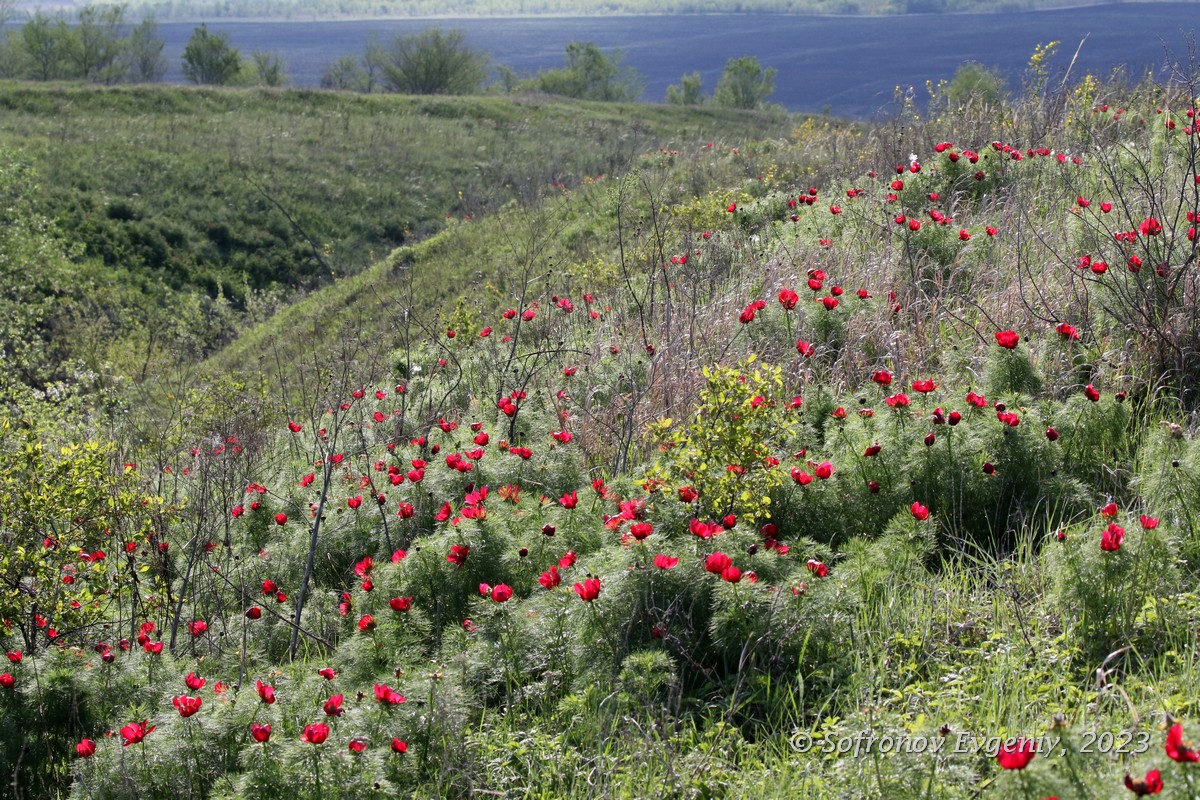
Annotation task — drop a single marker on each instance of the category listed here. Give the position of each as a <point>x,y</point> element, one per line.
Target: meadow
<point>742,456</point>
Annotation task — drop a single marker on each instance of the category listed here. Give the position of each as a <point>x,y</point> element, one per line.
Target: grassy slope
<point>479,263</point>
<point>355,172</point>
<point>239,192</point>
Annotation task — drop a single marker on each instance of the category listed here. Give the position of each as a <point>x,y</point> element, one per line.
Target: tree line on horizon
<point>102,47</point>
<point>435,61</point>
<point>278,9</point>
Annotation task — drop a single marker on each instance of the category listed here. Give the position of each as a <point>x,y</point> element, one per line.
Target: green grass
<point>198,187</point>
<point>252,197</point>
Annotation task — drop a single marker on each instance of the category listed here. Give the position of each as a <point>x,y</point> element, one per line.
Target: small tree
<point>144,61</point>
<point>268,69</point>
<point>374,60</point>
<point>687,93</point>
<point>9,43</point>
<point>744,83</point>
<point>589,74</point>
<point>974,84</point>
<point>47,44</point>
<point>435,62</point>
<point>344,75</point>
<point>98,44</point>
<point>210,58</point>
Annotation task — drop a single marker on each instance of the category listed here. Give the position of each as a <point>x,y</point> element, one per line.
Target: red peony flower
<point>640,530</point>
<point>1150,227</point>
<point>315,734</point>
<point>665,562</point>
<point>919,511</point>
<point>550,578</point>
<point>458,554</point>
<point>387,695</point>
<point>801,477</point>
<point>1177,749</point>
<point>1007,339</point>
<point>1151,784</point>
<point>265,692</point>
<point>135,732</point>
<point>589,590</point>
<point>717,562</point>
<point>186,706</point>
<point>1110,540</point>
<point>1016,754</point>
<point>86,748</point>
<point>1067,331</point>
<point>260,733</point>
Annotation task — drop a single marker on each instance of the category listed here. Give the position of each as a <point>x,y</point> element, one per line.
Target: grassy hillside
<point>568,242</point>
<point>184,197</point>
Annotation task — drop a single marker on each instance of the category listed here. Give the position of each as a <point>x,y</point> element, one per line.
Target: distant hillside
<point>328,9</point>
<point>195,212</point>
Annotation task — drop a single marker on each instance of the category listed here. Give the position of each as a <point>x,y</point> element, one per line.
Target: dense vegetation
<point>701,474</point>
<point>195,212</point>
